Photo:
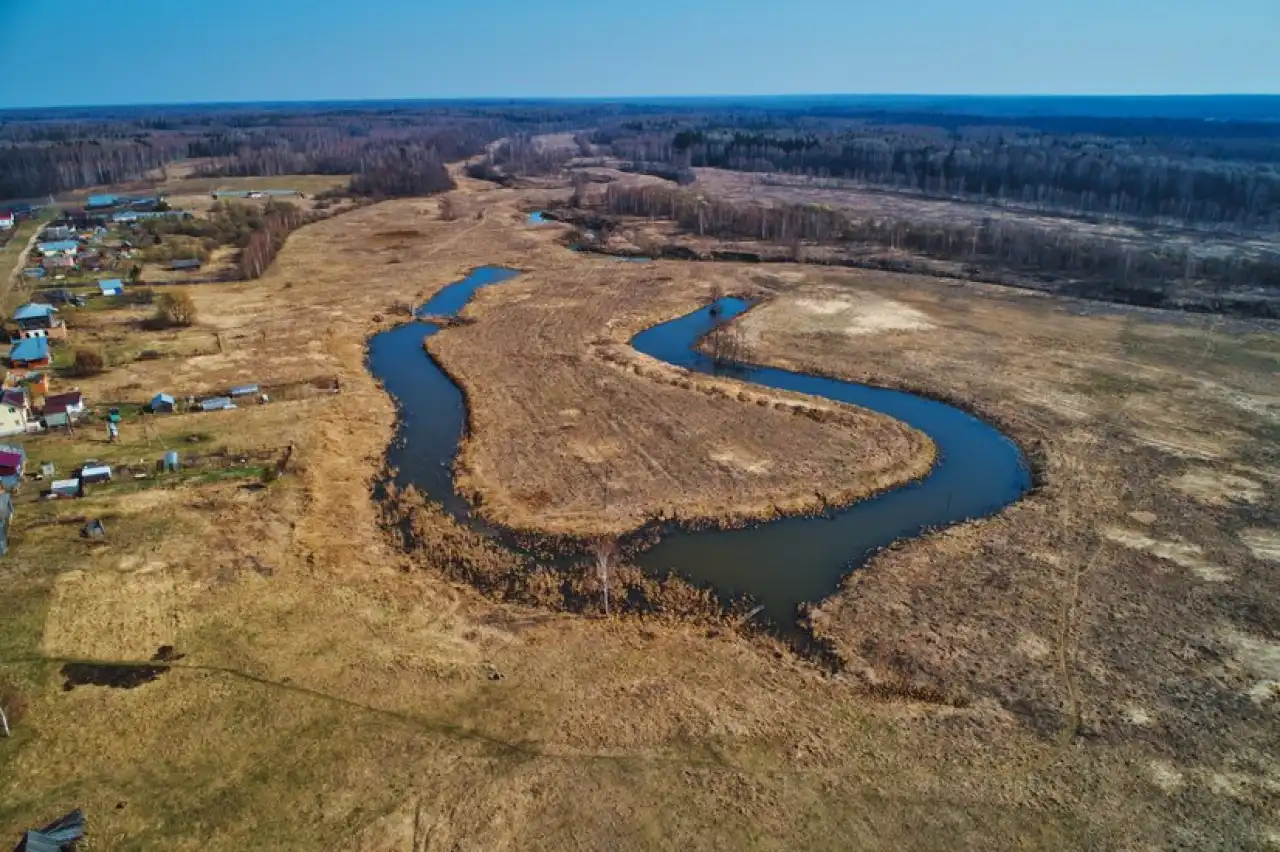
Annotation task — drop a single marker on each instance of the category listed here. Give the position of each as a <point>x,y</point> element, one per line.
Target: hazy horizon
<point>293,51</point>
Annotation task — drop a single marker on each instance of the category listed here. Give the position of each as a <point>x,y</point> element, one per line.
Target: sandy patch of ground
<point>1263,543</point>
<point>1179,553</point>
<point>1218,488</point>
<point>861,314</point>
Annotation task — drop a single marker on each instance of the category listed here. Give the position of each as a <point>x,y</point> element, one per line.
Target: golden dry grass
<point>336,695</point>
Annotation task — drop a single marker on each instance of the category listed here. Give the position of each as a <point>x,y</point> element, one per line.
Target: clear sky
<point>146,51</point>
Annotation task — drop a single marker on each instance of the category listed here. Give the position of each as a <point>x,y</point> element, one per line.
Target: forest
<point>1191,169</point>
<point>1188,180</point>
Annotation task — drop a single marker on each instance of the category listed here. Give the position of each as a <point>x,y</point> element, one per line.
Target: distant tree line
<point>390,172</point>
<point>993,244</point>
<point>1166,178</point>
<point>30,170</point>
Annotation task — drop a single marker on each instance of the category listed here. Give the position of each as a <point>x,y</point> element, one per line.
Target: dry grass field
<point>1115,635</point>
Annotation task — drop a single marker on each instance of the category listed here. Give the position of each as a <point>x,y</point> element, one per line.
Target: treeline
<point>1166,178</point>
<point>399,171</point>
<point>993,244</point>
<point>278,221</point>
<point>327,151</point>
<point>29,170</point>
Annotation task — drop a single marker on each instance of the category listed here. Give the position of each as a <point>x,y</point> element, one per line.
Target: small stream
<point>781,563</point>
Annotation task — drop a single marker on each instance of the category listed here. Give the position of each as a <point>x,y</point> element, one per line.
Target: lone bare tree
<point>605,552</point>
<point>726,344</point>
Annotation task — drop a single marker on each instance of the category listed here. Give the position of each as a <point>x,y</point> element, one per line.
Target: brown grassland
<point>1114,636</point>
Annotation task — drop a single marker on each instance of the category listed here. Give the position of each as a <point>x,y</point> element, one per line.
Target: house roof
<point>216,403</point>
<point>162,397</point>
<point>31,349</point>
<point>33,310</point>
<point>244,390</point>
<point>59,245</point>
<point>186,263</point>
<point>14,397</point>
<point>100,201</point>
<point>110,285</point>
<point>11,461</point>
<point>62,401</point>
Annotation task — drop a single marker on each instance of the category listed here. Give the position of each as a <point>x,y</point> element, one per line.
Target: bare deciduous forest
<point>1198,174</point>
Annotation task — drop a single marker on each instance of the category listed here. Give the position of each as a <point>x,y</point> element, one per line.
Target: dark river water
<point>782,563</point>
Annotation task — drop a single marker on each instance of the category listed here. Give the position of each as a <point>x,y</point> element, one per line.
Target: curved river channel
<point>781,563</point>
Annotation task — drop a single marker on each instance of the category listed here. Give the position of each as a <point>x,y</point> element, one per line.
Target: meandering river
<point>781,563</point>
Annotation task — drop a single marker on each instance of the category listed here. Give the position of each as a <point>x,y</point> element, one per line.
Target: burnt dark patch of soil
<point>403,234</point>
<point>105,674</point>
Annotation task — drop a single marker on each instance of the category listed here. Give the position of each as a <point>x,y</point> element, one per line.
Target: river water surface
<point>781,563</point>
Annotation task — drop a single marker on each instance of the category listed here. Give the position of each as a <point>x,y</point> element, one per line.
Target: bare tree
<point>605,552</point>
<point>727,345</point>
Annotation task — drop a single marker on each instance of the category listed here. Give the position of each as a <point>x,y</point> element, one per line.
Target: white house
<point>6,221</point>
<point>14,413</point>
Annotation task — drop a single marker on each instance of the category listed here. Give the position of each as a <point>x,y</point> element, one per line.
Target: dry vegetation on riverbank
<point>338,692</point>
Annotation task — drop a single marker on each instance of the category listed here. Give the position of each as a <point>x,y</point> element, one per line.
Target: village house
<point>185,264</point>
<point>35,384</point>
<point>29,353</point>
<point>13,460</point>
<point>97,202</point>
<point>59,262</point>
<point>56,233</point>
<point>111,287</point>
<point>57,248</point>
<point>7,221</point>
<point>15,413</point>
<point>36,320</point>
<point>161,403</point>
<point>70,403</point>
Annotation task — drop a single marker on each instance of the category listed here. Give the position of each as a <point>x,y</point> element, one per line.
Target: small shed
<point>244,390</point>
<point>95,473</point>
<point>111,287</point>
<point>184,264</point>
<point>31,352</point>
<point>217,403</point>
<point>65,488</point>
<point>161,403</point>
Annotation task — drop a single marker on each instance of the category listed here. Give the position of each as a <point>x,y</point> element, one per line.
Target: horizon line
<point>643,98</point>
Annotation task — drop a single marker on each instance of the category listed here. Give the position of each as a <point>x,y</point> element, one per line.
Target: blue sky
<point>75,52</point>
